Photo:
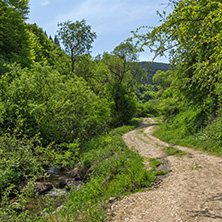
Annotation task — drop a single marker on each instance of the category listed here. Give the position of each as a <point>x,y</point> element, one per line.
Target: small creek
<point>52,190</point>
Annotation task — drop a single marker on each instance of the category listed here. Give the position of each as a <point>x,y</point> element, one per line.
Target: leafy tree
<point>163,79</point>
<point>123,66</point>
<point>46,51</point>
<point>15,43</point>
<point>192,34</point>
<point>77,38</point>
<point>61,109</point>
<point>21,6</point>
<point>124,73</point>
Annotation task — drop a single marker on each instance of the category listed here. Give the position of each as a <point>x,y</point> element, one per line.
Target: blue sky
<point>112,20</point>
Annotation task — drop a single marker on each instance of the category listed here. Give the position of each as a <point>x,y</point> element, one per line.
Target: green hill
<point>152,68</point>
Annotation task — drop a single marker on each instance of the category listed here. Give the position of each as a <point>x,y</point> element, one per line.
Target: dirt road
<point>191,192</point>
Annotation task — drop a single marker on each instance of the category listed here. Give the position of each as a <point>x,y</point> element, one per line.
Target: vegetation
<point>77,39</point>
<point>54,104</point>
<point>117,171</point>
<point>189,94</point>
<point>60,108</point>
<point>170,151</point>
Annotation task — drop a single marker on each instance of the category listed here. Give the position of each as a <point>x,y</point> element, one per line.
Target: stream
<point>52,190</point>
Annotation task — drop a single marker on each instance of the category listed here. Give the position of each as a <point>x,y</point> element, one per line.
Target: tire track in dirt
<point>191,192</point>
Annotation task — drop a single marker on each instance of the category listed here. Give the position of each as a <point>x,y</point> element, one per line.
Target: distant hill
<point>152,68</point>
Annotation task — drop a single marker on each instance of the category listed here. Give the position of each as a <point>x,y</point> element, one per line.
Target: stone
<point>73,184</point>
<point>42,187</point>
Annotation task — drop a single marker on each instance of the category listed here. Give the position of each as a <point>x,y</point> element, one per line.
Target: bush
<point>61,109</point>
<point>123,106</point>
<point>18,159</point>
<point>116,171</point>
<point>150,108</point>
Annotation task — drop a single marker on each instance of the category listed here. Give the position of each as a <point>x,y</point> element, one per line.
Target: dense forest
<point>60,107</point>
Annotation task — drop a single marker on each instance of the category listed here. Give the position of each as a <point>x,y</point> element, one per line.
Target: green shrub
<point>61,109</point>
<point>122,104</point>
<point>116,171</point>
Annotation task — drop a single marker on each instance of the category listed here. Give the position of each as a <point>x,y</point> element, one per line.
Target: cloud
<point>45,3</point>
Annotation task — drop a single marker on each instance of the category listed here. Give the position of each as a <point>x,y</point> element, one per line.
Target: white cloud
<point>45,3</point>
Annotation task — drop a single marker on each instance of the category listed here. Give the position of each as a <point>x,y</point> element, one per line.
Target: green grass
<point>170,151</point>
<point>117,171</point>
<point>198,141</point>
<point>154,163</point>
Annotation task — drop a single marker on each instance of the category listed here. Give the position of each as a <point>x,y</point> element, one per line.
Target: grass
<point>154,163</point>
<point>117,171</point>
<point>197,141</point>
<point>171,151</point>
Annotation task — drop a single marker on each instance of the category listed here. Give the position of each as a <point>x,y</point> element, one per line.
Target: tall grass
<point>117,171</point>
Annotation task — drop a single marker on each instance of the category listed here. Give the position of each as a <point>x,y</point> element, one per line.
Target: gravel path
<point>191,192</point>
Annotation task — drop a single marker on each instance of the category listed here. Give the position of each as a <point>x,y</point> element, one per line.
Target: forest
<point>62,108</point>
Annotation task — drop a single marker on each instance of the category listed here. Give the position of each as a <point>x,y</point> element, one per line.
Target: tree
<point>123,65</point>
<point>192,34</point>
<point>123,76</point>
<point>21,6</point>
<point>56,40</point>
<point>15,45</point>
<point>77,38</point>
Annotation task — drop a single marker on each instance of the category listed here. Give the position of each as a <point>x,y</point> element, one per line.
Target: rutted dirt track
<point>191,192</point>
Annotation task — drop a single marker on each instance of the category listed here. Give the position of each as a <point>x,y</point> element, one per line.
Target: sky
<point>112,20</point>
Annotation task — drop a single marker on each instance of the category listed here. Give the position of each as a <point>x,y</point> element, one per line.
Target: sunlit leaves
<point>77,38</point>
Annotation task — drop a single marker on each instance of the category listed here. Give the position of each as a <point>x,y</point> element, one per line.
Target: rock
<point>41,187</point>
<point>53,170</point>
<point>73,184</point>
<point>80,172</point>
<point>60,185</point>
<point>112,199</point>
<point>57,192</point>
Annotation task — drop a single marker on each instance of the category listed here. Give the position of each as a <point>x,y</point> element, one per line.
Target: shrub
<point>116,171</point>
<point>61,109</point>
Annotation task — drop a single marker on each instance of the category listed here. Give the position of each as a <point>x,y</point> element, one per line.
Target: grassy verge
<point>117,171</point>
<point>198,141</point>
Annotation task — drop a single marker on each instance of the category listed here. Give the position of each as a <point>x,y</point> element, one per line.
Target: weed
<point>154,163</point>
<point>117,171</point>
<point>170,151</point>
<point>196,166</point>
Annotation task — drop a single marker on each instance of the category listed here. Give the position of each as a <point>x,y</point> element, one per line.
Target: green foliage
<point>18,160</point>
<point>150,108</point>
<point>154,163</point>
<point>77,38</point>
<point>15,45</point>
<point>170,151</point>
<point>151,68</point>
<point>200,139</point>
<point>60,109</point>
<point>163,79</point>
<point>45,51</point>
<point>21,6</point>
<point>147,92</point>
<point>116,171</point>
<point>123,106</point>
<point>194,41</point>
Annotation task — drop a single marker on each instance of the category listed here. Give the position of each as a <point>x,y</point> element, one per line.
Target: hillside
<point>152,68</point>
